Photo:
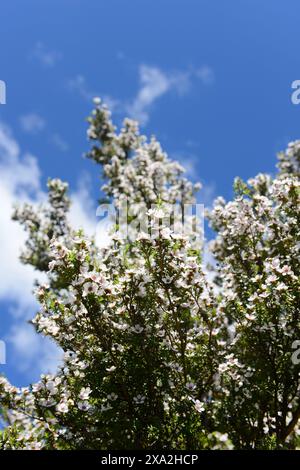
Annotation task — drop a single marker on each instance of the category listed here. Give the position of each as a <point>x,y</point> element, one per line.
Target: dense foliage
<point>157,353</point>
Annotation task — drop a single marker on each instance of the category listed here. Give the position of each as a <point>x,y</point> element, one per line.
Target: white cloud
<point>32,353</point>
<point>20,178</point>
<point>20,182</point>
<point>45,56</point>
<point>32,123</point>
<point>154,83</point>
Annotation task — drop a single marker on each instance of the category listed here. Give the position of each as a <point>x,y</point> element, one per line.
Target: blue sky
<point>211,79</point>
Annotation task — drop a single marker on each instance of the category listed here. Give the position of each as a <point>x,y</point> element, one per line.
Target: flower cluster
<point>258,252</point>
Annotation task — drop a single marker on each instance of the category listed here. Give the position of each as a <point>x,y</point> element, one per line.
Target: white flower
<point>161,333</point>
<point>285,270</point>
<point>223,437</point>
<point>139,399</point>
<point>250,316</point>
<point>190,386</point>
<point>62,407</point>
<point>36,387</point>
<point>156,213</point>
<point>271,279</point>
<point>70,298</point>
<point>47,403</point>
<point>223,367</point>
<point>176,367</point>
<point>281,287</point>
<point>137,329</point>
<point>264,294</point>
<point>69,320</point>
<point>53,329</point>
<point>141,291</point>
<point>142,236</point>
<point>96,277</point>
<point>266,429</point>
<point>199,406</point>
<point>112,396</point>
<point>166,406</point>
<point>69,355</point>
<point>106,407</point>
<point>166,233</point>
<point>51,386</point>
<point>83,405</point>
<point>89,288</point>
<point>84,393</point>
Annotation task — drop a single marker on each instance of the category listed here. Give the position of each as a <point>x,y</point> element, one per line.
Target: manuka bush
<point>157,353</point>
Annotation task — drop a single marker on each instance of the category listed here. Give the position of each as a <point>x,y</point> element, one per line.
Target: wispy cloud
<point>79,85</point>
<point>154,83</point>
<point>32,123</point>
<point>44,55</point>
<point>206,74</point>
<point>59,142</point>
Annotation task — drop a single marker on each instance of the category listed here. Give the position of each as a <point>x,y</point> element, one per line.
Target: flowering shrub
<point>156,354</point>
